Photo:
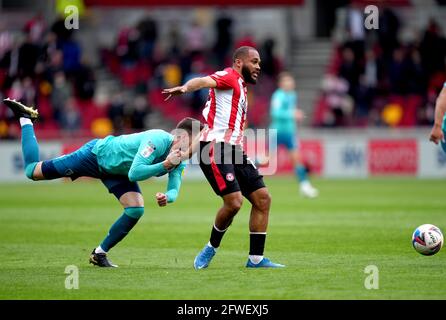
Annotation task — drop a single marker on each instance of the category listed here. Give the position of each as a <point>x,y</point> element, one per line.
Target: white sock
<point>99,250</point>
<point>24,121</point>
<point>305,183</point>
<point>219,229</point>
<point>255,259</point>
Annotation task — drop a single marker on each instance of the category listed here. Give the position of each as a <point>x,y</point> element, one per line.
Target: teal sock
<point>301,173</point>
<point>30,149</point>
<point>121,227</point>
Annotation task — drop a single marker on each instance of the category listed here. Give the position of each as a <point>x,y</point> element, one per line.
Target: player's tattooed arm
<point>190,86</point>
<point>436,134</point>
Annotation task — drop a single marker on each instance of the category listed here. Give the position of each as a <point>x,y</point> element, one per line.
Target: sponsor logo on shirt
<point>221,73</point>
<point>147,151</point>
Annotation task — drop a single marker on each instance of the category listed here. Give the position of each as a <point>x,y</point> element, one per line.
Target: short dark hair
<point>189,123</point>
<point>241,52</point>
<point>284,74</point>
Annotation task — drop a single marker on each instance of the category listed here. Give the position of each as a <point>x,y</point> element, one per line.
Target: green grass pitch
<point>326,243</point>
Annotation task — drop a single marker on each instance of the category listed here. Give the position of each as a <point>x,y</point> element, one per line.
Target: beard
<point>247,75</point>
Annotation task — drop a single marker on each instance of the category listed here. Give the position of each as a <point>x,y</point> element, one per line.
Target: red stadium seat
<point>129,75</point>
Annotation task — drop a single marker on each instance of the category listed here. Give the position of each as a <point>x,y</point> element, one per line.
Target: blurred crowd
<point>145,63</point>
<point>42,66</point>
<point>377,79</point>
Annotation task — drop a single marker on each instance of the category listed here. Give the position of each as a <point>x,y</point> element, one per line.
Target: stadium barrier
<point>331,154</point>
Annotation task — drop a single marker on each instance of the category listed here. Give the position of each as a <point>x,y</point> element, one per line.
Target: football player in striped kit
<point>228,170</point>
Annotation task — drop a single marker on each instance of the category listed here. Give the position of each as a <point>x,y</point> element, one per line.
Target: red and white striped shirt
<point>225,110</point>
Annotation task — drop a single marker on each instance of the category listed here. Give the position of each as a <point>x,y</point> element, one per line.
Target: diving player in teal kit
<point>119,162</point>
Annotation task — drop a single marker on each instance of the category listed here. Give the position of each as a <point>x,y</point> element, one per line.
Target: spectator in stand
<point>175,41</point>
<point>10,63</point>
<point>6,40</point>
<point>433,49</point>
<point>36,28</point>
<point>363,98</point>
<point>371,70</point>
<point>58,28</point>
<point>127,47</point>
<point>338,101</point>
<point>271,66</point>
<point>29,92</point>
<point>28,55</point>
<point>70,118</point>
<point>16,91</point>
<point>195,39</point>
<point>416,75</point>
<point>116,113</point>
<point>71,57</point>
<point>60,94</point>
<point>349,69</point>
<point>139,113</point>
<point>389,26</point>
<point>398,72</point>
<point>53,66</point>
<point>224,38</point>
<point>148,34</point>
<point>356,30</point>
<point>84,82</point>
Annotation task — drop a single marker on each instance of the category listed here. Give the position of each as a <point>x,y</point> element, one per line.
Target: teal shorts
<point>84,163</point>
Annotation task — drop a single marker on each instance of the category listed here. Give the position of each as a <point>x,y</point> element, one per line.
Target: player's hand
<point>173,159</point>
<point>436,134</point>
<point>176,91</point>
<point>185,154</point>
<point>299,115</point>
<point>161,198</point>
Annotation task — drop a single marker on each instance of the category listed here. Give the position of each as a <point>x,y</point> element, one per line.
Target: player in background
<point>439,128</point>
<point>284,116</point>
<point>119,162</point>
<point>228,170</point>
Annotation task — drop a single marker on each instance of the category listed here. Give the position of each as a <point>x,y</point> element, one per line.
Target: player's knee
<point>29,170</point>
<point>234,204</point>
<point>134,212</point>
<point>128,199</point>
<point>263,202</point>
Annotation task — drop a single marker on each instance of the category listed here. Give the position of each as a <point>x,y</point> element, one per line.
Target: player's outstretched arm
<point>190,86</point>
<point>142,167</point>
<point>436,134</point>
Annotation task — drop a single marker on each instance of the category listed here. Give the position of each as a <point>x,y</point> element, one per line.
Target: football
<point>427,239</point>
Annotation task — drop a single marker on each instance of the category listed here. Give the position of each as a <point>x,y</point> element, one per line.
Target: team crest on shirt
<point>229,177</point>
<point>147,151</point>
